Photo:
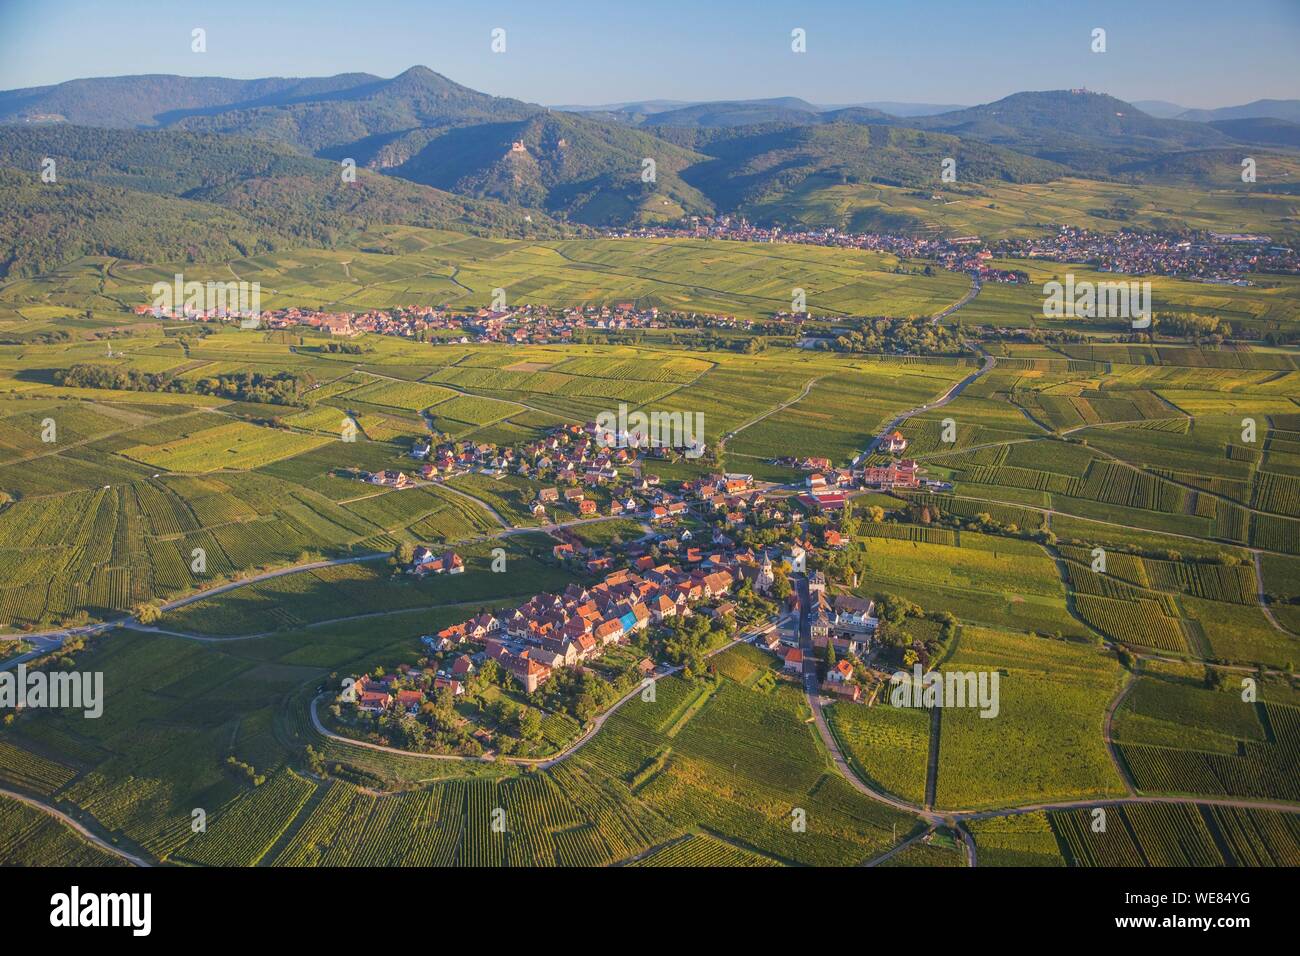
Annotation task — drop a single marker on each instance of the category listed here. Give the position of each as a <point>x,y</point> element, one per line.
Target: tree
<point>147,613</point>
<point>404,553</point>
<point>530,724</point>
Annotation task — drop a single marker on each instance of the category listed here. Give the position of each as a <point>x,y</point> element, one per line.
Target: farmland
<point>430,267</point>
<point>1053,698</point>
<point>1060,449</point>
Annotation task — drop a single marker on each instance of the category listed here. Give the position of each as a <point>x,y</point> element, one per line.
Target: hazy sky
<point>1200,53</point>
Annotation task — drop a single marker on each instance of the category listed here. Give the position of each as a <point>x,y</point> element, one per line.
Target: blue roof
<point>628,620</point>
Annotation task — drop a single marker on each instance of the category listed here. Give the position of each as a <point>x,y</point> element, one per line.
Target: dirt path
<point>772,411</point>
<point>1263,599</point>
<point>75,825</point>
<point>1110,739</point>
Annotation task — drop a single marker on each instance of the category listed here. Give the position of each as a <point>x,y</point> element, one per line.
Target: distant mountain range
<point>266,154</point>
<point>1288,110</point>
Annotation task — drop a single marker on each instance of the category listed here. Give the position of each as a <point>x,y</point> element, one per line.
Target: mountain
<point>901,109</point>
<point>642,107</point>
<point>1259,109</point>
<point>572,166</point>
<point>448,154</point>
<point>166,195</point>
<point>157,100</point>
<point>1160,109</point>
<point>1261,129</point>
<point>737,113</point>
<point>417,98</point>
<point>1091,132</point>
<point>757,164</point>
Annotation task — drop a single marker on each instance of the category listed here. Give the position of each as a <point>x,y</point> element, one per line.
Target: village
<point>1197,254</point>
<point>723,558</point>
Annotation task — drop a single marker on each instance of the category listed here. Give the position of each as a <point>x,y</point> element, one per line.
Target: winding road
<point>540,763</point>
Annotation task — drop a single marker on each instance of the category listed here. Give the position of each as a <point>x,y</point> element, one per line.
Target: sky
<point>1197,53</point>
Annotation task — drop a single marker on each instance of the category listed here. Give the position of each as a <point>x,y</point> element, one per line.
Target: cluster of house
<point>844,622</point>
<point>1198,254</point>
<point>408,687</point>
<point>567,453</point>
<point>551,631</point>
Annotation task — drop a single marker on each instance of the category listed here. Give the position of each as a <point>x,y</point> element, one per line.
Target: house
<point>841,673</point>
<point>420,449</point>
<point>719,582</point>
<point>548,495</point>
<point>895,443</point>
<point>424,562</point>
<point>374,701</point>
<point>538,510</point>
<point>793,658</point>
<point>574,494</point>
<point>447,683</point>
<point>586,507</point>
<point>896,474</point>
<point>410,700</point>
<point>531,674</point>
<point>394,479</point>
<point>607,632</point>
<point>850,692</point>
<point>663,607</point>
<point>854,615</point>
<point>462,666</point>
<point>723,611</point>
<point>824,501</point>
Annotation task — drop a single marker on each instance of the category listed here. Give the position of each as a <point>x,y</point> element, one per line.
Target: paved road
<point>971,293</point>
<point>987,366</point>
<point>76,825</point>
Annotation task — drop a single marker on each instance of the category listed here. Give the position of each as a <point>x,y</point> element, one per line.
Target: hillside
<point>157,100</point>
<point>144,194</point>
<point>1275,132</point>
<point>737,113</point>
<point>567,164</point>
<point>413,99</point>
<point>1092,132</point>
<point>760,164</point>
<point>585,167</point>
<point>1269,109</point>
